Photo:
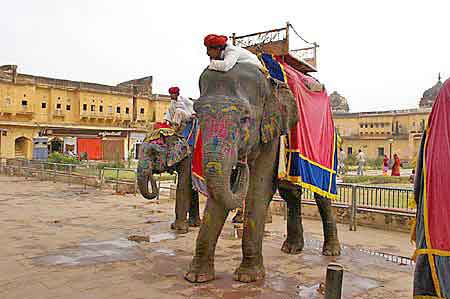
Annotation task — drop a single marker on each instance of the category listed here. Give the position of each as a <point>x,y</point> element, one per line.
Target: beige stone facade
<point>32,106</point>
<point>383,132</point>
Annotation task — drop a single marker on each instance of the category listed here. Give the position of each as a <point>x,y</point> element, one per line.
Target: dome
<point>338,102</point>
<point>430,95</point>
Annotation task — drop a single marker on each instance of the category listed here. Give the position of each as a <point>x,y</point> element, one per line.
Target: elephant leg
<point>294,241</point>
<point>202,265</point>
<point>331,246</point>
<point>260,192</point>
<point>194,214</point>
<point>183,197</point>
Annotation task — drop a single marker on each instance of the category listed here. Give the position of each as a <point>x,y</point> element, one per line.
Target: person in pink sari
<point>396,166</point>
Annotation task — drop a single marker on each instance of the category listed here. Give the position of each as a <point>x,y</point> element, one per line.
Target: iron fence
<point>351,195</point>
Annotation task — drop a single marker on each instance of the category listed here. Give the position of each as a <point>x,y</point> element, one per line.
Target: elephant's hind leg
<point>194,214</point>
<point>292,195</point>
<point>202,265</point>
<point>331,245</point>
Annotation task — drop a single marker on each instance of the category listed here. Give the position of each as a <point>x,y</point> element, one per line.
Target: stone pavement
<point>60,241</point>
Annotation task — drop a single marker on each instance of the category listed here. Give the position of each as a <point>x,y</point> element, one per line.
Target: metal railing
<point>84,171</point>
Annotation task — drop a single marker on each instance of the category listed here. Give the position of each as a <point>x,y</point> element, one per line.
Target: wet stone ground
<point>61,241</point>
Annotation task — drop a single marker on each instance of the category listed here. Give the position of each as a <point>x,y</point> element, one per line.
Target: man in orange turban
<point>181,109</point>
<point>225,55</point>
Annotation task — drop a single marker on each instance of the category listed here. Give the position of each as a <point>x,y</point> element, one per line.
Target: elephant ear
<point>289,109</point>
<point>279,113</point>
<point>177,152</point>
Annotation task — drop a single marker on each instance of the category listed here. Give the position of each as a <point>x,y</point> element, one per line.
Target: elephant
<point>242,115</point>
<point>173,155</point>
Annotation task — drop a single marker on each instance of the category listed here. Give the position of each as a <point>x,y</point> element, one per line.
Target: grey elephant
<point>241,119</point>
<point>172,155</point>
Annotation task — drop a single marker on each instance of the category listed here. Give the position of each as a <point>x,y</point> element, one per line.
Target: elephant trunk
<point>144,174</point>
<point>230,193</point>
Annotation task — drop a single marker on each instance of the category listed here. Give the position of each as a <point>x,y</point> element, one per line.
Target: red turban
<point>174,90</point>
<point>213,40</point>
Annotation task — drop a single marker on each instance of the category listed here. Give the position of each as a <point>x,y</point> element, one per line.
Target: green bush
<point>368,179</point>
<point>375,163</point>
<point>56,157</point>
<point>112,164</point>
<point>350,160</point>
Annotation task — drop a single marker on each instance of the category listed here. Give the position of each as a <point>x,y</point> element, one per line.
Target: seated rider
<point>181,109</point>
<point>225,55</point>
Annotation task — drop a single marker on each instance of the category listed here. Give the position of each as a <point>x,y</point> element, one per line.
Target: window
<point>118,109</point>
<point>7,101</point>
<point>59,98</point>
<point>142,110</point>
<point>376,125</point>
<point>365,126</point>
<point>371,125</point>
<point>58,106</point>
<point>44,105</point>
<point>361,125</point>
<point>382,125</point>
<point>92,108</point>
<point>84,107</point>
<point>349,150</point>
<point>110,109</point>
<point>380,151</point>
<point>24,102</point>
<point>68,107</point>
<point>100,108</point>
<point>127,110</point>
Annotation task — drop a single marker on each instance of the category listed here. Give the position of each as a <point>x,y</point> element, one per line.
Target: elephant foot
<point>331,248</point>
<point>195,222</point>
<point>292,247</point>
<point>181,227</point>
<point>200,273</point>
<point>249,273</point>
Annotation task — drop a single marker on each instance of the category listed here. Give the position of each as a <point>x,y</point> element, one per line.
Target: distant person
<point>181,109</point>
<point>412,176</point>
<point>385,165</point>
<point>396,166</point>
<point>342,158</point>
<point>361,158</point>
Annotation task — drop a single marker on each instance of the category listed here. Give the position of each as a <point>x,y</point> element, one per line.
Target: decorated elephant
<point>169,152</point>
<point>241,119</point>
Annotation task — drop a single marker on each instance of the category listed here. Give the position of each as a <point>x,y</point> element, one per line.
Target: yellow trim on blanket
<point>298,180</point>
<point>434,275</point>
<point>332,162</point>
<point>427,297</point>
<point>283,71</point>
<point>332,171</point>
<point>437,252</point>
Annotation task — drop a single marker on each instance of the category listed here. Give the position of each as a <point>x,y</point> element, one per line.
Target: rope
<point>296,33</point>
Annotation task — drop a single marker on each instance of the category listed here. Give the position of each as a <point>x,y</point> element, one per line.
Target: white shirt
<point>232,55</point>
<point>183,105</point>
<point>361,157</point>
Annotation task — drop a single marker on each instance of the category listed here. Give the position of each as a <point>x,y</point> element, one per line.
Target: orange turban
<point>213,40</point>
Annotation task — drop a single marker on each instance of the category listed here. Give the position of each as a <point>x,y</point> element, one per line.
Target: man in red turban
<point>181,109</point>
<point>225,55</point>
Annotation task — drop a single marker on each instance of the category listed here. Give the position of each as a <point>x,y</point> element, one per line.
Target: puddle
<point>165,251</point>
<point>92,252</point>
<point>353,285</point>
<point>161,237</point>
